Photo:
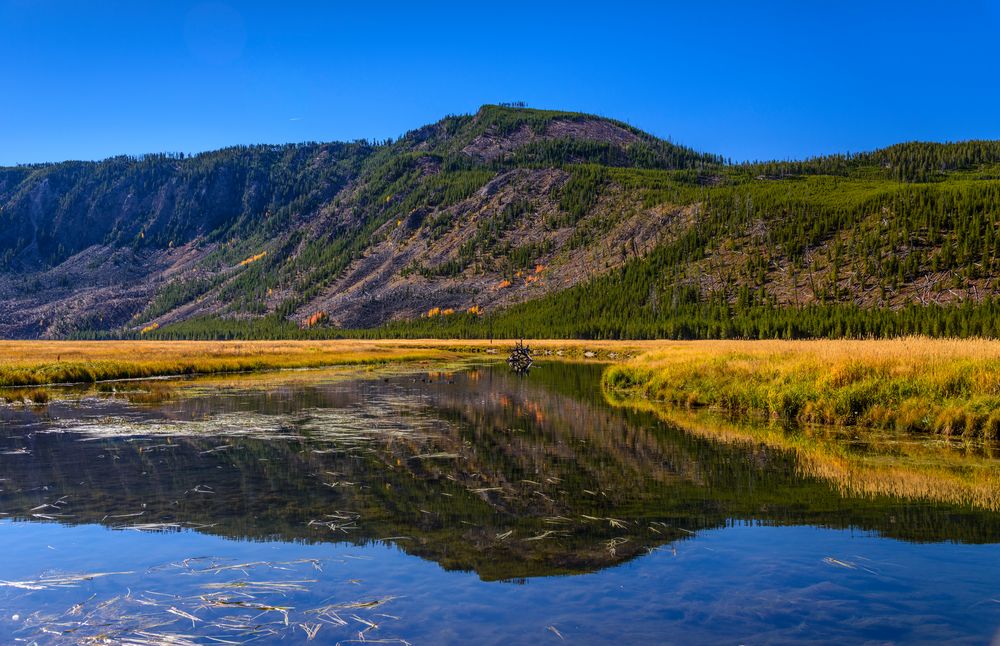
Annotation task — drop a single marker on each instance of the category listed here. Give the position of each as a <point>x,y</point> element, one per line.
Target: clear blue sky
<point>748,80</point>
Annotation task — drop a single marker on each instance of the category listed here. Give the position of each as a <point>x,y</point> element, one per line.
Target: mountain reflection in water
<point>476,470</point>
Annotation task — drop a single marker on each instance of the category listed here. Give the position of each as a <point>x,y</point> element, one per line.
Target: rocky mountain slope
<point>466,218</point>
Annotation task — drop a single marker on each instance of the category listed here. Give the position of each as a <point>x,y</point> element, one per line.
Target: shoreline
<point>27,364</point>
<point>915,385</point>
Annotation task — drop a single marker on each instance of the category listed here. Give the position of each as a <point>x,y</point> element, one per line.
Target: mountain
<point>507,221</point>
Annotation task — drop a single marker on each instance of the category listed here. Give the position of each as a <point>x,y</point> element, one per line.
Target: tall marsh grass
<point>951,387</point>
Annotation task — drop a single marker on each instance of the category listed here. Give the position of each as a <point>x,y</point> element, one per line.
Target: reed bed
<point>951,387</point>
<point>381,419</point>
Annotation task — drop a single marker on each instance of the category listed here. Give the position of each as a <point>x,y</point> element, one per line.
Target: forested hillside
<point>507,222</point>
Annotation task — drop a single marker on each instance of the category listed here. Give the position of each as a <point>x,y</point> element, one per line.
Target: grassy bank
<point>915,384</point>
<point>24,363</point>
<point>38,363</point>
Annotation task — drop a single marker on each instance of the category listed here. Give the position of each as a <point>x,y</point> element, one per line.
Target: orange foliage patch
<point>432,312</point>
<point>475,310</point>
<point>315,319</point>
<point>504,284</point>
<point>244,263</point>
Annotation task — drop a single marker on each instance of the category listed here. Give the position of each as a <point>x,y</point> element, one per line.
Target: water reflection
<point>477,470</point>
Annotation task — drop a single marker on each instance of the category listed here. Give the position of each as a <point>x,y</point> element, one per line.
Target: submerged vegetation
<point>918,385</point>
<point>215,588</point>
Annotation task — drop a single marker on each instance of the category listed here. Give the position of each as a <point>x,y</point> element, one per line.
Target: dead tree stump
<point>520,358</point>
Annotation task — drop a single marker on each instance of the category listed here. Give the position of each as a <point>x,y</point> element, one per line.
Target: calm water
<point>468,508</point>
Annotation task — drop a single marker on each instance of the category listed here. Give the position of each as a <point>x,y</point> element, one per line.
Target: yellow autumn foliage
<point>254,258</point>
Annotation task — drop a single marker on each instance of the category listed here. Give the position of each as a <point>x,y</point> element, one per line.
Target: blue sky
<point>748,80</point>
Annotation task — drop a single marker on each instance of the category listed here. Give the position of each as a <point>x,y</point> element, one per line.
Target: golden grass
<point>49,362</point>
<point>913,384</point>
<point>30,363</point>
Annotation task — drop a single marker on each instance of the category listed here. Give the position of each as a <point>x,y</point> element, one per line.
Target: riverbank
<point>41,363</point>
<point>951,387</point>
